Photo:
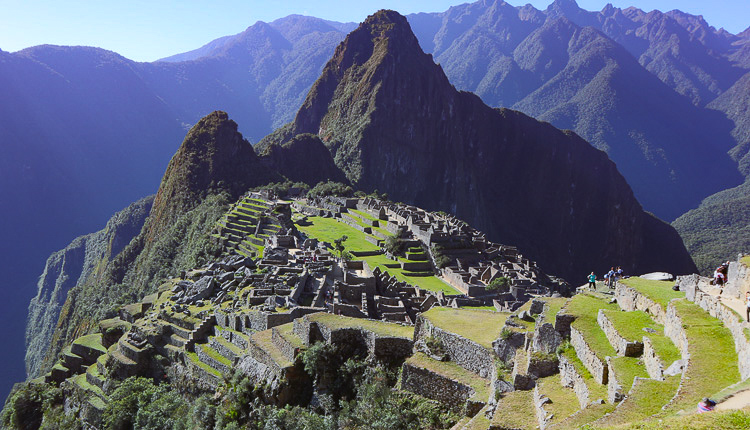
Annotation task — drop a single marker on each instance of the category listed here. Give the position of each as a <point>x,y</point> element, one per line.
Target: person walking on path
<point>747,305</point>
<point>592,281</point>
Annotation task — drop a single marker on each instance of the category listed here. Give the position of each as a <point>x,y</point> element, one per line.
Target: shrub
<point>500,283</point>
<point>506,333</point>
<point>394,245</point>
<point>330,188</point>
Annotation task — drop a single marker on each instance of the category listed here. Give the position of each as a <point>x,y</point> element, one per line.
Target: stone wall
<point>569,377</point>
<point>464,352</point>
<point>654,366</point>
<point>739,328</point>
<point>208,359</point>
<point>631,300</point>
<point>436,387</point>
<point>587,356</point>
<point>542,416</point>
<point>621,345</point>
<point>615,391</point>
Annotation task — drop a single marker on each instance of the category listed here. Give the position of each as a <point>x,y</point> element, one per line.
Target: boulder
<point>546,339</point>
<point>658,276</point>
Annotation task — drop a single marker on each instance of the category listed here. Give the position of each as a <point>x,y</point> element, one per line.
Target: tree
<point>338,244</point>
<point>501,283</point>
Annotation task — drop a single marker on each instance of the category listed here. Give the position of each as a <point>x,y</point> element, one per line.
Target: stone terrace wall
<point>437,387</point>
<point>734,323</point>
<point>654,366</point>
<point>621,345</point>
<point>631,300</point>
<point>569,377</point>
<point>464,352</point>
<point>589,359</point>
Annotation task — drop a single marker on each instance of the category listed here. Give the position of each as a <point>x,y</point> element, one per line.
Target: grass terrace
<point>453,371</point>
<point>363,214</point>
<point>193,357</point>
<point>585,308</point>
<point>564,401</point>
<point>515,410</point>
<point>92,341</point>
<point>380,328</point>
<point>596,390</point>
<point>717,420</point>
<point>328,230</point>
<point>481,326</point>
<point>713,360</point>
<point>646,399</point>
<point>263,340</point>
<point>626,369</point>
<point>659,291</point>
<point>429,283</point>
<point>584,416</point>
<point>630,325</point>
<point>552,307</point>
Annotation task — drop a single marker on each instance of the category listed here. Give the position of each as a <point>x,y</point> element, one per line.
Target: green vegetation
<point>713,360</point>
<point>380,328</point>
<point>429,283</point>
<point>328,230</point>
<point>630,325</point>
<point>563,400</point>
<point>586,415</point>
<point>515,410</point>
<point>92,341</point>
<point>453,371</point>
<point>717,420</point>
<point>483,327</point>
<point>626,369</point>
<point>330,188</point>
<point>646,399</point>
<point>659,291</point>
<point>501,283</point>
<point>585,308</point>
<point>139,403</point>
<point>596,390</point>
<point>552,307</point>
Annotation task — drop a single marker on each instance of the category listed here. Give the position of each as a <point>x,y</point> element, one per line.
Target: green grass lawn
<point>363,214</point>
<point>92,341</point>
<point>564,401</point>
<point>585,308</point>
<point>380,328</point>
<point>552,307</point>
<point>745,260</point>
<point>626,369</point>
<point>717,420</point>
<point>328,230</point>
<point>481,326</point>
<point>429,283</point>
<point>646,399</point>
<point>453,371</point>
<point>713,360</point>
<point>659,291</point>
<point>596,390</point>
<point>630,326</point>
<point>515,410</point>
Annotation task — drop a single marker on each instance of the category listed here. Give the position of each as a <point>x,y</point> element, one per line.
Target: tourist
<point>747,305</point>
<point>592,281</point>
<point>611,278</point>
<point>719,279</point>
<point>619,272</point>
<point>706,405</point>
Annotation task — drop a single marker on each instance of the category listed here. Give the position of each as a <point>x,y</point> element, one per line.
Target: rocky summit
<point>390,117</point>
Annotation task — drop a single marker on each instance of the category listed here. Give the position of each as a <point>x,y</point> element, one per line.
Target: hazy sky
<point>148,30</point>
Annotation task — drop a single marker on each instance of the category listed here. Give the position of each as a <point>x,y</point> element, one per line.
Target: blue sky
<point>148,30</point>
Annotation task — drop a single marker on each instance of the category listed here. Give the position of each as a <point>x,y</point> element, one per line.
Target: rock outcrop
<point>73,266</point>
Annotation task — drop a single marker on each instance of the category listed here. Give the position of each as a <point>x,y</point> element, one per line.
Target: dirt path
<point>736,304</point>
<point>737,401</point>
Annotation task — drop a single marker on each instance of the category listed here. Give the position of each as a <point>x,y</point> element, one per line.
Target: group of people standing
<point>610,278</point>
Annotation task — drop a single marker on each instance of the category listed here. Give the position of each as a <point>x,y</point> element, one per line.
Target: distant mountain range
<point>86,131</point>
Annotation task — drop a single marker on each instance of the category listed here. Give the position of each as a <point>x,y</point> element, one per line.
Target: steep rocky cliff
<point>72,266</point>
<point>212,167</point>
<point>392,121</point>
